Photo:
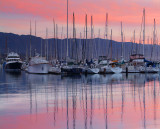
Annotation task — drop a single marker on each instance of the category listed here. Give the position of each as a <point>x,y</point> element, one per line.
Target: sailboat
<point>91,67</point>
<point>72,66</point>
<point>110,66</point>
<point>114,64</point>
<point>37,63</point>
<point>151,66</point>
<point>137,60</point>
<point>55,65</point>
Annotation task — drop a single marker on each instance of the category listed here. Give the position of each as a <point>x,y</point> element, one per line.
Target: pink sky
<point>16,14</point>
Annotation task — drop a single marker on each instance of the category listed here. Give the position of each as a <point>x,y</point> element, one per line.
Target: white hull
<point>55,70</point>
<point>116,70</point>
<point>106,69</point>
<point>38,68</point>
<point>149,70</point>
<point>92,70</point>
<point>132,69</point>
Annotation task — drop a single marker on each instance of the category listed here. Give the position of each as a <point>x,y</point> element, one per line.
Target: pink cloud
<point>130,12</point>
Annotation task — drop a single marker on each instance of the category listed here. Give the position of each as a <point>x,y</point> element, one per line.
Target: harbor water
<point>112,101</point>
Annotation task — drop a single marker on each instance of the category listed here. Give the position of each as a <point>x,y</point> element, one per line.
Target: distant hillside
<point>94,48</point>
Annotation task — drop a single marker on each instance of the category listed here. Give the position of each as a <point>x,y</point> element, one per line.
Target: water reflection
<point>76,102</point>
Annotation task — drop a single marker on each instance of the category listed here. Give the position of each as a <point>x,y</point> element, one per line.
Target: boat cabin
<point>137,59</point>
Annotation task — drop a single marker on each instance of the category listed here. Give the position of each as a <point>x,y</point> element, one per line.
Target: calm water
<point>29,101</point>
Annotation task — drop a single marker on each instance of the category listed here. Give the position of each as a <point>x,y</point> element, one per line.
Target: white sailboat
<point>109,66</point>
<point>151,67</point>
<point>38,65</point>
<point>92,69</point>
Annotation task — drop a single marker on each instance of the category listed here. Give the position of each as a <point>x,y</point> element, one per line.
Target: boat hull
<point>55,70</point>
<point>71,70</point>
<point>149,70</point>
<point>92,70</point>
<point>116,70</point>
<point>131,69</point>
<point>39,69</point>
<point>13,66</point>
<point>105,70</point>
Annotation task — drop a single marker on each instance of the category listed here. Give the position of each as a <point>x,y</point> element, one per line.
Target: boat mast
<point>154,34</point>
<point>99,45</point>
<point>47,43</point>
<point>56,52</point>
<point>35,28</point>
<point>106,31</point>
<point>73,26</point>
<point>143,29</point>
<point>30,38</point>
<point>83,47</point>
<point>86,38</point>
<point>91,45</point>
<point>121,41</point>
<point>111,44</point>
<point>154,38</point>
<point>154,41</point>
<point>134,42</point>
<point>73,45</point>
<point>6,47</point>
<point>151,48</point>
<point>54,29</point>
<point>61,42</point>
<point>41,48</point>
<point>80,44</point>
<point>26,52</point>
<point>67,28</point>
<point>124,52</point>
<point>91,27</point>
